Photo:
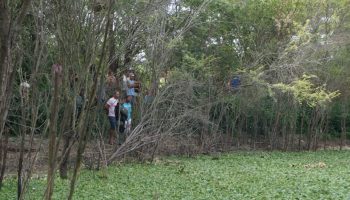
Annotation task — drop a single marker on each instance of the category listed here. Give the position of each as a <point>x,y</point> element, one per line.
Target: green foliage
<point>305,91</point>
<point>259,175</point>
<point>200,68</point>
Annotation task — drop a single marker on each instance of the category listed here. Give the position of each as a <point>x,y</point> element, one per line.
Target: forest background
<point>291,58</point>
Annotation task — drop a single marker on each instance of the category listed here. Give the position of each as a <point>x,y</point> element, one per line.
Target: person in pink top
<point>110,107</point>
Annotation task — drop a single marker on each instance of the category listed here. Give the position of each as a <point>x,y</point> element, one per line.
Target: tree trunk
<point>67,133</point>
<point>20,177</point>
<point>52,137</point>
<point>285,135</point>
<point>274,135</point>
<point>8,33</point>
<point>113,61</point>
<point>301,128</point>
<point>310,130</point>
<point>343,128</point>
<point>256,120</point>
<point>325,132</point>
<point>82,119</point>
<point>4,62</point>
<point>3,156</point>
<point>63,168</point>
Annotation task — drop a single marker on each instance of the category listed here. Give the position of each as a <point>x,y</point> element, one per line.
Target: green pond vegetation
<point>238,175</point>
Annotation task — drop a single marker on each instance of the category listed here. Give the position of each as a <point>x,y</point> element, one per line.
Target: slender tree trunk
<point>22,147</point>
<point>266,131</point>
<point>245,142</point>
<point>63,169</point>
<point>301,128</point>
<point>325,133</point>
<point>343,128</point>
<point>285,135</point>
<point>67,133</point>
<point>8,34</point>
<point>4,62</point>
<point>313,129</point>
<point>82,119</point>
<point>113,64</point>
<point>319,128</point>
<point>52,137</point>
<point>292,126</point>
<point>256,120</point>
<point>3,156</point>
<point>310,130</point>
<point>275,131</point>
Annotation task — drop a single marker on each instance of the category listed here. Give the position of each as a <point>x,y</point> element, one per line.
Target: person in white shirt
<point>125,79</point>
<point>110,107</point>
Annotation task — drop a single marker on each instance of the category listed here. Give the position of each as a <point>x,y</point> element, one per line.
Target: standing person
<point>111,83</point>
<point>125,79</point>
<point>124,84</point>
<point>149,97</point>
<point>131,88</point>
<point>110,106</point>
<point>127,105</point>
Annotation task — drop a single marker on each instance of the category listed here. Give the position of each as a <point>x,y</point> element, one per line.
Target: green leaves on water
<point>242,175</point>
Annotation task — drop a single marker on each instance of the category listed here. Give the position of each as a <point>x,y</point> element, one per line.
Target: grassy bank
<point>242,175</point>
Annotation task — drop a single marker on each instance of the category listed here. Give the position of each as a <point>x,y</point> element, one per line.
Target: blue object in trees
<point>235,82</point>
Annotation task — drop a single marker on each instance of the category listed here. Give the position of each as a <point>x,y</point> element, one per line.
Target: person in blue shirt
<point>235,82</point>
<point>127,105</point>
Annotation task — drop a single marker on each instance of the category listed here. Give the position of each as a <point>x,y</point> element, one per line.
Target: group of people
<point>120,106</point>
